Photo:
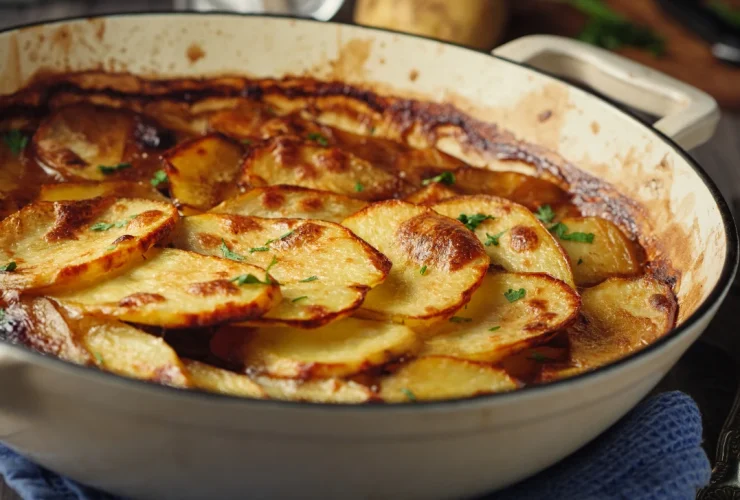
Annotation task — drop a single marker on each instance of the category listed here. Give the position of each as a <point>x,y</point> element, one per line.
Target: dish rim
<point>716,295</point>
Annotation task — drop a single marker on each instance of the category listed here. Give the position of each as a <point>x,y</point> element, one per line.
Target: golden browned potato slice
<point>336,350</point>
<point>431,194</point>
<point>508,313</point>
<point>203,171</point>
<point>287,160</point>
<point>513,237</point>
<point>212,379</point>
<point>324,270</point>
<point>437,263</point>
<point>71,191</point>
<point>438,377</point>
<point>291,201</point>
<point>178,289</point>
<point>609,254</point>
<point>519,188</point>
<point>619,316</point>
<point>318,390</point>
<point>243,121</point>
<point>78,241</point>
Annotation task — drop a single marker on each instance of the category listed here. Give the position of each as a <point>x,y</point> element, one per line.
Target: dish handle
<point>688,115</point>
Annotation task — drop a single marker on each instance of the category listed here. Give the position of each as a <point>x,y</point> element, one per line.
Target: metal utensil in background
<point>323,10</point>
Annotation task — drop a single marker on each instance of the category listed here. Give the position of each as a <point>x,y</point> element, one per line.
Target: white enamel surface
<point>148,442</point>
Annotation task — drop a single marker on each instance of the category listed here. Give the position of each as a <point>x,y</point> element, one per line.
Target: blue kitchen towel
<point>652,453</point>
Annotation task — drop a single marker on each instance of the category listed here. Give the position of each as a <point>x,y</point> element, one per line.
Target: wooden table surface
<point>720,158</point>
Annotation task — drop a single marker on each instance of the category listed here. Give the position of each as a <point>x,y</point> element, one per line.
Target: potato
<point>519,188</point>
<point>336,350</point>
<point>501,320</point>
<point>437,263</point>
<point>330,390</point>
<point>291,201</point>
<point>77,242</point>
<point>619,316</point>
<point>72,191</point>
<point>438,377</point>
<point>610,254</point>
<point>212,379</point>
<point>13,172</point>
<point>324,269</point>
<point>243,121</point>
<point>202,171</point>
<point>288,160</point>
<point>178,289</point>
<point>431,194</point>
<point>513,237</point>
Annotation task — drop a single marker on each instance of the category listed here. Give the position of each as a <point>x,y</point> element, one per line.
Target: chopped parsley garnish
<point>446,178</point>
<point>160,176</point>
<point>259,249</point>
<point>561,231</point>
<point>99,358</point>
<point>9,267</point>
<point>410,395</point>
<point>299,298</point>
<point>270,266</point>
<point>580,261</point>
<point>320,139</point>
<point>539,357</point>
<point>281,237</point>
<point>493,239</point>
<point>514,295</point>
<point>250,279</point>
<point>246,142</point>
<point>372,130</point>
<point>112,247</point>
<point>104,226</point>
<point>460,319</point>
<point>359,187</point>
<point>266,247</point>
<point>474,220</point>
<point>494,328</point>
<point>545,214</point>
<point>110,169</point>
<point>2,315</point>
<point>16,141</point>
<point>227,253</point>
<point>310,278</point>
<point>423,270</point>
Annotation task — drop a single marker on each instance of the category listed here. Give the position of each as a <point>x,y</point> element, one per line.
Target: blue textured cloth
<point>652,453</point>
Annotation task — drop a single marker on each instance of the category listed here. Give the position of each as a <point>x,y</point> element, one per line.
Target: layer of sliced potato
<point>619,316</point>
<point>431,194</point>
<point>58,243</point>
<point>13,174</point>
<point>437,263</point>
<point>291,201</point>
<point>610,254</point>
<point>298,162</point>
<point>176,289</point>
<point>519,188</point>
<point>202,171</point>
<point>212,379</point>
<point>513,237</point>
<point>71,191</point>
<point>438,377</point>
<point>318,390</point>
<point>508,313</point>
<point>342,348</point>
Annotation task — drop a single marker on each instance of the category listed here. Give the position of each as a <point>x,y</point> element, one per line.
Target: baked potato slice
<point>73,191</point>
<point>61,243</point>
<point>339,349</point>
<point>163,290</point>
<point>512,236</point>
<point>610,254</point>
<point>291,201</point>
<point>203,171</point>
<point>437,263</point>
<point>430,194</point>
<point>212,379</point>
<point>431,378</point>
<point>508,313</point>
<point>526,190</point>
<point>305,163</point>
<point>318,390</point>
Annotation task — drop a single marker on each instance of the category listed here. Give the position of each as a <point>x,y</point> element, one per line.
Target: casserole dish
<point>144,441</point>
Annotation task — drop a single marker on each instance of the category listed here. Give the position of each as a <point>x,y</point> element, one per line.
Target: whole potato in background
<point>475,23</point>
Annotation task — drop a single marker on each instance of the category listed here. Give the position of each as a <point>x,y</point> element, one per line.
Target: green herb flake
<point>725,11</point>
<point>409,395</point>
<point>372,130</point>
<point>259,249</point>
<point>101,226</point>
<point>514,295</point>
<point>359,187</point>
<point>228,254</point>
<point>16,141</point>
<point>246,142</point>
<point>545,214</point>
<point>539,357</point>
<point>160,177</point>
<point>266,246</point>
<point>309,279</point>
<point>474,220</point>
<point>299,298</point>
<point>561,231</point>
<point>2,315</point>
<point>446,178</point>
<point>112,247</point>
<point>9,267</point>
<point>493,239</point>
<point>494,328</point>
<point>580,261</point>
<point>423,270</point>
<point>270,266</point>
<point>249,279</point>
<point>99,358</point>
<point>460,319</point>
<point>111,169</point>
<point>318,138</point>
